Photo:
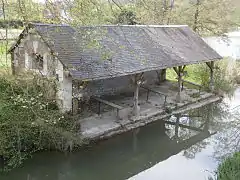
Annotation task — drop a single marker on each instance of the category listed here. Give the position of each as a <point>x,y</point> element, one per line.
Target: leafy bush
<point>223,79</point>
<point>225,75</point>
<point>30,120</point>
<point>230,168</point>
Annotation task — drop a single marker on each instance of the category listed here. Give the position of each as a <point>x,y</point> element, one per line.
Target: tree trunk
<point>196,16</point>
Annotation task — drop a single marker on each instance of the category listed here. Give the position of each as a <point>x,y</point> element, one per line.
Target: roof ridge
<point>47,24</point>
<point>110,25</point>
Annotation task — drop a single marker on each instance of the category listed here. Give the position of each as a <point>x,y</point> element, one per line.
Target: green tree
<point>126,16</point>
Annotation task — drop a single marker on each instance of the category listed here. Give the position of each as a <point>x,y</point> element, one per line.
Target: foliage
<point>203,16</point>
<point>30,120</point>
<point>86,12</point>
<point>206,17</point>
<point>230,168</point>
<point>126,16</point>
<point>11,24</point>
<point>224,75</point>
<point>24,10</point>
<point>236,72</point>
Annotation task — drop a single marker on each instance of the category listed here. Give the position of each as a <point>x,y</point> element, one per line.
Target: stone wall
<point>118,84</point>
<point>23,55</point>
<point>23,59</point>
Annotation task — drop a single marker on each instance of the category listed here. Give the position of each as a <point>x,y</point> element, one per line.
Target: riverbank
<point>149,152</point>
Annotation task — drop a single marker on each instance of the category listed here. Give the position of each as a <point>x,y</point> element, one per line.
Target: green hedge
<point>230,168</point>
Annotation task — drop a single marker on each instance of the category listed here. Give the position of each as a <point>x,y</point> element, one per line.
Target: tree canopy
<point>205,17</point>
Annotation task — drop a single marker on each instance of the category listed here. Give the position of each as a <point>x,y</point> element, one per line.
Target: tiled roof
<point>99,52</point>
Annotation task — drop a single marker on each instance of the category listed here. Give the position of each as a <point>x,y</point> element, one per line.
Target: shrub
<point>223,78</point>
<point>226,73</point>
<point>230,168</point>
<point>30,120</point>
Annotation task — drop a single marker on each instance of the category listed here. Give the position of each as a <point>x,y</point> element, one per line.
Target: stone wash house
<point>100,61</point>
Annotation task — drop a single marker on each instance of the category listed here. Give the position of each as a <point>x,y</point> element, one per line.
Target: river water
<point>158,151</point>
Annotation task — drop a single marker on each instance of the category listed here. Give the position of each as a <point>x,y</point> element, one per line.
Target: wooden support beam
<point>184,67</point>
<point>179,83</point>
<point>138,80</point>
<point>163,75</point>
<point>148,94</point>
<point>136,109</point>
<point>211,67</point>
<point>176,70</point>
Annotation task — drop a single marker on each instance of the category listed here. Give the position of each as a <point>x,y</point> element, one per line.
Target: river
<point>167,151</point>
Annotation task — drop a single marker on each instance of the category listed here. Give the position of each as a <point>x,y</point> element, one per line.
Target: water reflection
<point>123,156</point>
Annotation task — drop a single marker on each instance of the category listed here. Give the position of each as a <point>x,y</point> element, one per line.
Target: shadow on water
<point>117,158</point>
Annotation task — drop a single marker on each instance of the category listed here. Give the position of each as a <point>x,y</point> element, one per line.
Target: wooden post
<point>163,75</point>
<point>137,82</point>
<point>136,109</point>
<point>147,95</point>
<point>179,72</point>
<point>211,82</point>
<point>179,83</point>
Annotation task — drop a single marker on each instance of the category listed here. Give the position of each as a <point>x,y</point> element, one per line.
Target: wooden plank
<point>192,83</point>
<point>108,103</point>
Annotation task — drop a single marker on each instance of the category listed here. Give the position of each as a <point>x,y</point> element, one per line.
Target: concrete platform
<point>106,124</point>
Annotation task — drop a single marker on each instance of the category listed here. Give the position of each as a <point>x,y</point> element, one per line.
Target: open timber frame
<point>95,65</point>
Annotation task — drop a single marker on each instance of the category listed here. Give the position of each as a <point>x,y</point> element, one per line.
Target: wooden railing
<point>192,83</point>
<point>156,92</point>
<point>117,107</point>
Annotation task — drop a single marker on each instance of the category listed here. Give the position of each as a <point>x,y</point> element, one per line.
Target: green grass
<point>226,74</point>
<point>230,168</point>
<point>5,62</point>
<point>192,74</point>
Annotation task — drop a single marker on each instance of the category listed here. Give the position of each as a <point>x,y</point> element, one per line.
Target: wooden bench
<point>117,107</point>
<point>157,92</point>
